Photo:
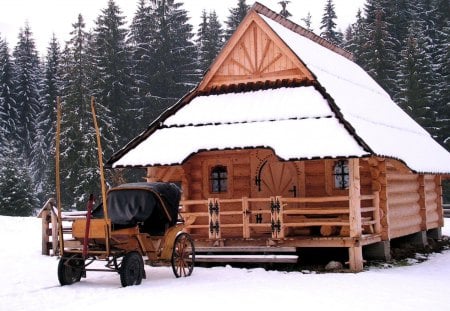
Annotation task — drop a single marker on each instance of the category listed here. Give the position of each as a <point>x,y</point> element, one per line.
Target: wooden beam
<point>355,252</point>
<point>438,181</point>
<point>354,197</point>
<point>422,203</point>
<point>245,218</point>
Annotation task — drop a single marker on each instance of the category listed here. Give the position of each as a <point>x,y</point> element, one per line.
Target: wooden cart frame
<point>121,249</point>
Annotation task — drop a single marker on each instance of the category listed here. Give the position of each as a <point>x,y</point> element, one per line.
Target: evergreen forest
<point>137,69</point>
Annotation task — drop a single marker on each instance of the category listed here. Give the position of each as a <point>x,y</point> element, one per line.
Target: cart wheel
<point>70,270</point>
<point>183,255</point>
<point>132,269</point>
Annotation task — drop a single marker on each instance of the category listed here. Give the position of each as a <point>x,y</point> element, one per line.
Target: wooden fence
<point>283,215</point>
<point>49,216</point>
<point>278,217</point>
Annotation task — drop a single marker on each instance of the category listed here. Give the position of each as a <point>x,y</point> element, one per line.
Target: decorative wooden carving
<point>254,54</point>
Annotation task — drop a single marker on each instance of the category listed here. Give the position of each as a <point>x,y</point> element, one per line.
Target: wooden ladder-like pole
<point>57,175</point>
<point>100,158</point>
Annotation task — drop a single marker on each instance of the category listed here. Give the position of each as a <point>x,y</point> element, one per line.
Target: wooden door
<point>272,178</point>
<point>277,178</point>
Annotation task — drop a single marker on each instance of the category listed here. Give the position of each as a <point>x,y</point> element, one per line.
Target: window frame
<point>216,179</point>
<point>340,182</point>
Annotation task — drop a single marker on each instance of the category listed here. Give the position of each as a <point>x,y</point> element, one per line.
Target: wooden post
<point>45,228</point>
<point>355,252</point>
<point>245,218</point>
<point>379,184</point>
<point>281,218</point>
<point>100,159</point>
<point>55,231</point>
<point>214,218</point>
<point>438,182</point>
<point>422,203</point>
<point>58,184</point>
<point>276,217</point>
<point>376,212</point>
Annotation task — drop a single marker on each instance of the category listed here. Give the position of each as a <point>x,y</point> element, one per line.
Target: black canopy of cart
<point>152,206</point>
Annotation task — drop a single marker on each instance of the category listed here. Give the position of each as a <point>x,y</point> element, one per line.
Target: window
<point>219,179</point>
<point>340,172</point>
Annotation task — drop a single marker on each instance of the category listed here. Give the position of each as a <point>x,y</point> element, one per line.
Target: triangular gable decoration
<point>255,54</point>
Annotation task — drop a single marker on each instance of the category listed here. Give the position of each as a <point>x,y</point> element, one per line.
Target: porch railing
<point>281,216</point>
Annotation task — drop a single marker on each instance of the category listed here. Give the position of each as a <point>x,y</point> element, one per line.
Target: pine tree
<point>78,153</point>
<point>8,107</point>
<point>356,38</point>
<point>378,55</point>
<point>174,53</point>
<point>307,20</point>
<point>443,99</point>
<point>328,25</point>
<point>415,69</point>
<point>209,39</point>
<point>44,147</point>
<point>113,84</point>
<point>16,191</point>
<point>27,90</point>
<point>142,64</point>
<point>284,12</point>
<point>237,14</point>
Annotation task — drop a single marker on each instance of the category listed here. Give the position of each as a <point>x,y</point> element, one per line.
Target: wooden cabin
<point>286,142</point>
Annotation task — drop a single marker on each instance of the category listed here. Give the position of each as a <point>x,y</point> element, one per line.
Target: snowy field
<point>29,282</point>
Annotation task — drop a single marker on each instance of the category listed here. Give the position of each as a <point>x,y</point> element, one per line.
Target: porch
<point>350,221</point>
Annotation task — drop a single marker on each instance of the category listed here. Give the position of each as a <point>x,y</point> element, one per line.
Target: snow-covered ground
<point>29,282</point>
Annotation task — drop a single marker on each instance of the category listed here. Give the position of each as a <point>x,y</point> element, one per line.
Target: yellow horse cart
<point>141,219</point>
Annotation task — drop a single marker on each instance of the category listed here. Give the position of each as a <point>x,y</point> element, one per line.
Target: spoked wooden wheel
<point>132,269</point>
<point>183,255</point>
<point>70,269</point>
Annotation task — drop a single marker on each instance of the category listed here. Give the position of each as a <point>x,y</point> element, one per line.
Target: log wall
<point>433,202</point>
<point>414,201</point>
<point>408,203</point>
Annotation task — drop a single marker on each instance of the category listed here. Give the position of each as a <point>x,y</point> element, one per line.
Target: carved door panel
<point>277,179</point>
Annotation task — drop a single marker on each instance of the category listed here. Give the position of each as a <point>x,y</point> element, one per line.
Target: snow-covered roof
<point>275,119</point>
<point>377,120</point>
<point>344,114</point>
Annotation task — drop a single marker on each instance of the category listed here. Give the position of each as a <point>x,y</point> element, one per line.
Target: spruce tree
<point>113,84</point>
<point>237,14</point>
<point>209,39</point>
<point>174,53</point>
<point>443,99</point>
<point>415,69</point>
<point>26,63</point>
<point>378,55</point>
<point>284,11</point>
<point>78,149</point>
<point>140,41</point>
<point>44,147</point>
<point>307,20</point>
<point>8,107</point>
<point>328,25</point>
<point>16,191</point>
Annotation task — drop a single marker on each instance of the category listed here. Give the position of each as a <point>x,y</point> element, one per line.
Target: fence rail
<point>280,215</point>
<point>276,216</point>
<point>49,216</point>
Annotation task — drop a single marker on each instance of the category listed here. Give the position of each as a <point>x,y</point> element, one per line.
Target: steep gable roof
<point>361,118</point>
<point>253,54</point>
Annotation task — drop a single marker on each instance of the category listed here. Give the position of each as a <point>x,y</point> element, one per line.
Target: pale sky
<point>46,17</point>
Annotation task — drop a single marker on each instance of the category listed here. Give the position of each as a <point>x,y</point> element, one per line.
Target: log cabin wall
<point>433,202</point>
<point>414,201</point>
<point>258,173</point>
